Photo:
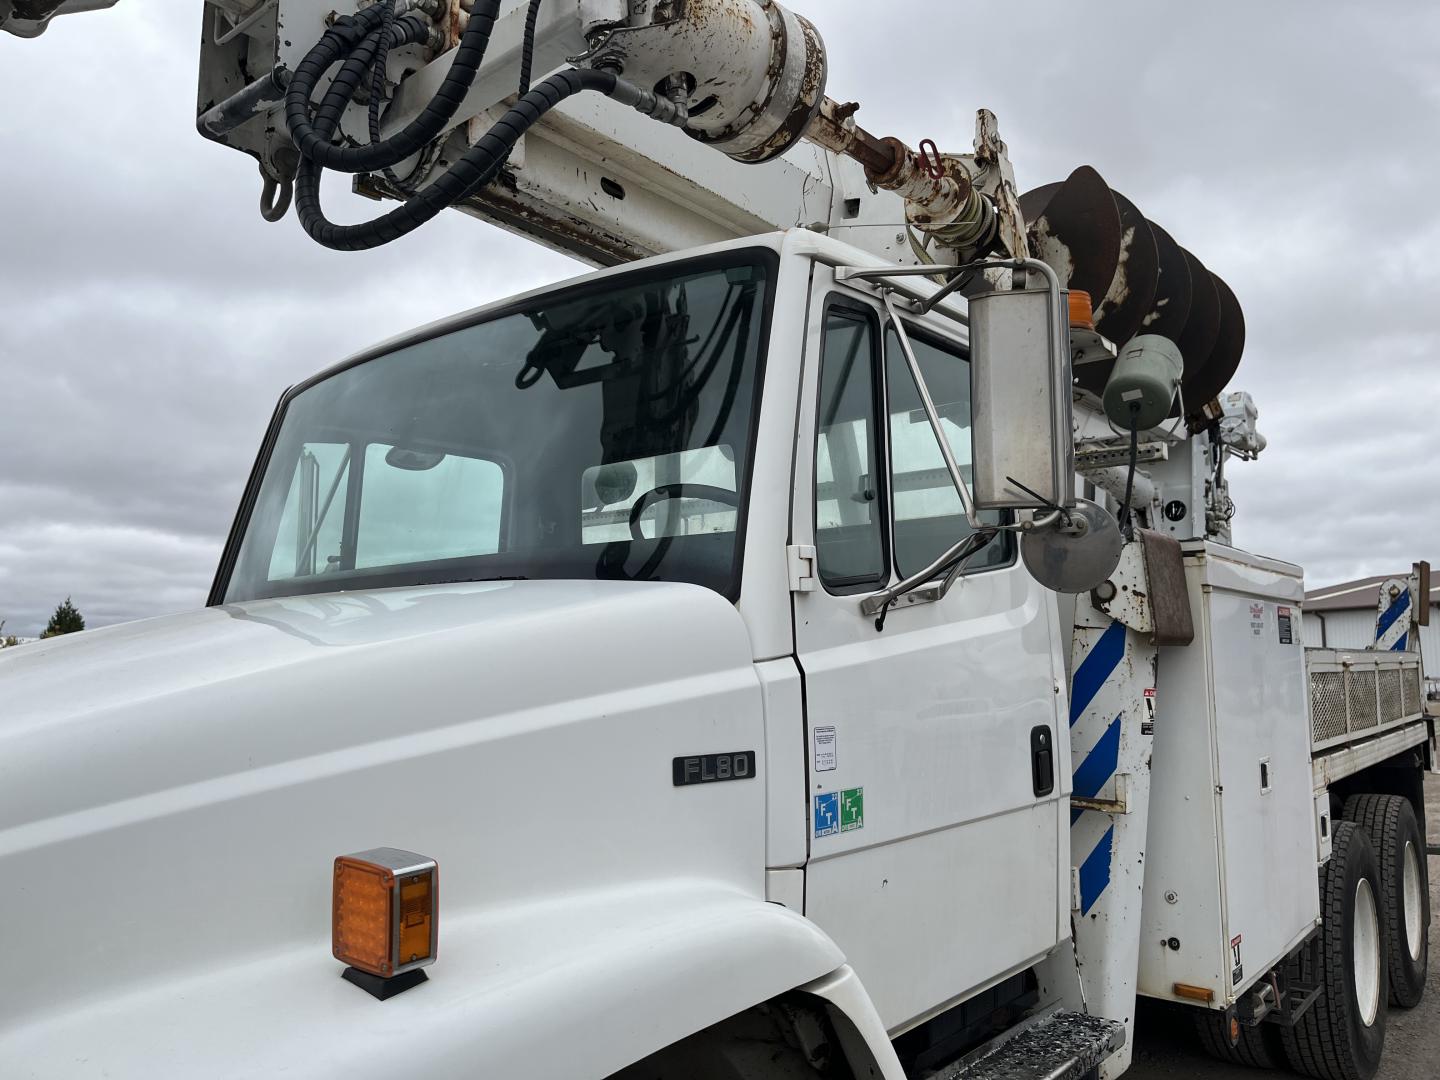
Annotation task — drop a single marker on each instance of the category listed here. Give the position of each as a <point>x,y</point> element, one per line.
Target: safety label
<point>1284,620</point>
<point>824,749</point>
<point>1147,725</point>
<point>827,814</point>
<point>1257,619</point>
<point>852,809</point>
<point>1237,971</point>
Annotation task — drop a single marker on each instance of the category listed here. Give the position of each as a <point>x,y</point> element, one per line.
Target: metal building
<point>1343,617</point>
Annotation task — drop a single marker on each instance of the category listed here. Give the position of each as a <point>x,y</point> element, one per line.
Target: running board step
<point>1059,1046</point>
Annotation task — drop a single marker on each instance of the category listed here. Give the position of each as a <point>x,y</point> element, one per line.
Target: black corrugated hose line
<point>342,39</point>
<point>358,42</point>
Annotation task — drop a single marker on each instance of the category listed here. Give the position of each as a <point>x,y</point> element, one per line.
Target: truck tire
<point>1389,821</point>
<point>1342,1035</point>
<point>1254,1048</point>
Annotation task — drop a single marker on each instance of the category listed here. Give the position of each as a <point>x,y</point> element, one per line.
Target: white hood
<point>173,792</point>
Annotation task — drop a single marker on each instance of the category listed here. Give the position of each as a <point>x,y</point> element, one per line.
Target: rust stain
<point>454,24</point>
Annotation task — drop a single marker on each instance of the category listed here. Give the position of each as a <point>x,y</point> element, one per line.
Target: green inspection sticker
<point>852,809</point>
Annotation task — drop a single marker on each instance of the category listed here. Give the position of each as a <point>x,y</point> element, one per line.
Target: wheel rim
<point>1367,953</point>
<point>1414,904</point>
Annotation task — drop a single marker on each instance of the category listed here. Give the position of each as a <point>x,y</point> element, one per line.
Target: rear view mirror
<point>1024,452</point>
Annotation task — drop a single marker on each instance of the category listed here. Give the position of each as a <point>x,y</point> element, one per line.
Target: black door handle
<point>1042,760</point>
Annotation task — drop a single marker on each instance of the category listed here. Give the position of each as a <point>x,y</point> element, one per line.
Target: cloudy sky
<point>149,319</point>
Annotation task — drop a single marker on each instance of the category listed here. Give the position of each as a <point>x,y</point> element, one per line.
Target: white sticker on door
<point>824,749</point>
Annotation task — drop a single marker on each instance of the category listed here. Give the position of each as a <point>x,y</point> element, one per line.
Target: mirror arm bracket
<point>956,554</point>
<point>954,274</point>
<point>960,553</point>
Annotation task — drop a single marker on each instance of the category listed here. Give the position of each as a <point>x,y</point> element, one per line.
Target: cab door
<point>937,848</point>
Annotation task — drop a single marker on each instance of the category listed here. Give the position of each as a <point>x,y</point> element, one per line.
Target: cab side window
<point>929,518</point>
<point>849,514</point>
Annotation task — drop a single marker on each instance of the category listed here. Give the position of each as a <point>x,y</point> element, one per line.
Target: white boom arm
<point>608,185</point>
<point>681,123</point>
<point>594,178</point>
<point>747,142</point>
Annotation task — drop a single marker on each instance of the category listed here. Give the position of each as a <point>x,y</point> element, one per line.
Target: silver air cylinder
<point>752,72</point>
<point>1143,383</point>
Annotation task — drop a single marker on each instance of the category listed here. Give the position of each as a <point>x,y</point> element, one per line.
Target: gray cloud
<point>149,319</point>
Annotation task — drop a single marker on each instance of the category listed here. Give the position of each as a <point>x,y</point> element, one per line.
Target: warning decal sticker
<point>824,749</point>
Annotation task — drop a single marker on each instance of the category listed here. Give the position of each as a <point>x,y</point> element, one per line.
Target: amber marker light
<point>385,918</point>
<point>1194,993</point>
<point>1082,313</point>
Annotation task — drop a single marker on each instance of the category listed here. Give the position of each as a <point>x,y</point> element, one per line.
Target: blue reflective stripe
<point>1398,608</point>
<point>1075,816</point>
<point>1095,871</point>
<point>1097,666</point>
<point>1399,646</point>
<point>1100,764</point>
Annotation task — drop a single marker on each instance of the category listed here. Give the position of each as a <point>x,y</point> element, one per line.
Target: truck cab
<point>660,676</point>
<point>741,422</point>
<point>565,593</point>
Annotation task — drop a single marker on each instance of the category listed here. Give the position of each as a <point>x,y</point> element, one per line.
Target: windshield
<point>604,432</point>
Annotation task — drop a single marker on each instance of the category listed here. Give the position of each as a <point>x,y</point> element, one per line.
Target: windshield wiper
<point>472,580</point>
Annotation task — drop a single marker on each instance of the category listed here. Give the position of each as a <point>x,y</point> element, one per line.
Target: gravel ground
<point>1166,1048</point>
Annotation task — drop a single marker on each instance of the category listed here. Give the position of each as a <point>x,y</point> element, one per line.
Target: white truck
<point>808,648</point>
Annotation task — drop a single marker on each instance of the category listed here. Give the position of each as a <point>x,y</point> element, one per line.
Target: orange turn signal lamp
<point>385,917</point>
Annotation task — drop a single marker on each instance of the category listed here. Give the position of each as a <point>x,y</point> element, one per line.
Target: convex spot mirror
<point>1020,392</point>
<point>1074,555</point>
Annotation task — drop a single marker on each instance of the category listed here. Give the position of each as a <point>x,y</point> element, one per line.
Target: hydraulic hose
<point>363,40</point>
<point>1127,516</point>
<point>409,30</point>
<point>342,39</point>
<point>473,171</point>
<point>476,168</point>
<point>527,50</point>
<point>377,75</point>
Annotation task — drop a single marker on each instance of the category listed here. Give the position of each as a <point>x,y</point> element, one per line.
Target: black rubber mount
<point>381,989</point>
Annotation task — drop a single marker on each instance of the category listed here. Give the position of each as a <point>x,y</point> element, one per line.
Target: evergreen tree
<point>66,620</point>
